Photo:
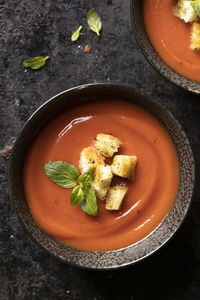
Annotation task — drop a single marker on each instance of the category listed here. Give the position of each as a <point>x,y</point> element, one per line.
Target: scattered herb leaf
<point>94,21</point>
<point>76,34</point>
<point>62,173</point>
<point>89,204</point>
<point>196,6</point>
<point>67,176</point>
<point>35,63</point>
<point>77,195</point>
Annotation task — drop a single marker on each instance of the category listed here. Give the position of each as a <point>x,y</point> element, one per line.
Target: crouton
<point>115,197</point>
<point>89,159</point>
<point>107,144</point>
<point>184,11</point>
<point>195,36</point>
<point>102,179</point>
<point>124,166</point>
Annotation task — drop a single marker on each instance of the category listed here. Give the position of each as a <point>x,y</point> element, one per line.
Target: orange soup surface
<point>170,37</point>
<point>149,197</point>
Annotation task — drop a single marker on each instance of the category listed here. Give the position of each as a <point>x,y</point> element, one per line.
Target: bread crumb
<point>87,49</point>
<point>115,197</point>
<point>195,36</point>
<point>124,166</point>
<point>102,179</point>
<point>184,11</point>
<point>107,144</point>
<point>6,151</point>
<point>90,158</point>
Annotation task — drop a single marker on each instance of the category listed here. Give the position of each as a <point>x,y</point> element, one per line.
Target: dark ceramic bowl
<point>152,56</point>
<point>139,250</point>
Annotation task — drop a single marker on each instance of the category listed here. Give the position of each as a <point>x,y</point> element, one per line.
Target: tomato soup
<point>170,37</point>
<point>149,197</point>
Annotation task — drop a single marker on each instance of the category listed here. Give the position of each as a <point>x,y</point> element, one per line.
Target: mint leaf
<point>196,6</point>
<point>35,63</point>
<point>62,173</point>
<point>89,204</point>
<point>76,34</point>
<point>85,179</point>
<point>77,195</point>
<point>94,21</point>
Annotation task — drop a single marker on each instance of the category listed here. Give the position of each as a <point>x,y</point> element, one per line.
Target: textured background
<point>43,27</point>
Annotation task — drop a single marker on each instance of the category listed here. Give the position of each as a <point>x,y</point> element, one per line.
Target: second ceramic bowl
<point>136,11</point>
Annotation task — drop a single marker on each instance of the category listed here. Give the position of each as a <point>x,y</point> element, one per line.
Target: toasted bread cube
<point>124,166</point>
<point>107,144</point>
<point>115,197</point>
<point>90,158</point>
<point>102,179</point>
<point>195,36</point>
<point>184,11</point>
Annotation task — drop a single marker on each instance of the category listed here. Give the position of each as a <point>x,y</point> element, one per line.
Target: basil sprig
<point>89,203</point>
<point>79,192</point>
<point>62,173</point>
<point>196,6</point>
<point>77,195</point>
<point>35,63</point>
<point>85,179</point>
<point>68,176</point>
<point>84,194</point>
<point>94,21</point>
<point>76,34</point>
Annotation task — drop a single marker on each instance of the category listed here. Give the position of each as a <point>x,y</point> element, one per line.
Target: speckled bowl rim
<point>153,57</point>
<point>133,253</point>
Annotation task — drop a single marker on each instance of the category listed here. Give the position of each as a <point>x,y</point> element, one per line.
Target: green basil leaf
<point>94,21</point>
<point>89,204</point>
<point>35,63</point>
<point>196,6</point>
<point>77,195</point>
<point>85,179</point>
<point>76,34</point>
<point>62,173</point>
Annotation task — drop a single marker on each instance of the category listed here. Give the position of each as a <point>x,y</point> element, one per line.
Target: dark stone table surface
<point>29,28</point>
